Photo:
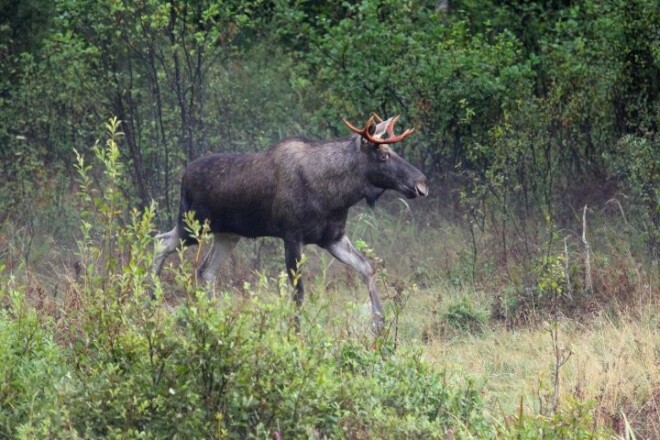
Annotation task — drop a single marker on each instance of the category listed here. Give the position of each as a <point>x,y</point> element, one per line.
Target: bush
<point>220,369</point>
<point>31,365</point>
<point>465,317</point>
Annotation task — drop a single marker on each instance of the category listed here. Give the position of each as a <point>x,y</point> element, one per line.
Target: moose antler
<point>392,138</point>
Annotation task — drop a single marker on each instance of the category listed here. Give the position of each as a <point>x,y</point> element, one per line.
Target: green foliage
<point>548,292</point>
<point>637,161</point>
<point>31,363</point>
<point>465,317</point>
<point>401,57</point>
<point>210,371</point>
<point>575,421</point>
<point>551,276</point>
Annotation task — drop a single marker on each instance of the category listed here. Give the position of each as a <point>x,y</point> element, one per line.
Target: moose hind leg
<point>344,251</point>
<point>166,243</point>
<point>223,245</point>
<point>292,255</point>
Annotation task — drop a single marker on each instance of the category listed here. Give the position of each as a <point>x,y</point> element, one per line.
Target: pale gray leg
<point>223,244</point>
<point>166,243</point>
<point>344,251</point>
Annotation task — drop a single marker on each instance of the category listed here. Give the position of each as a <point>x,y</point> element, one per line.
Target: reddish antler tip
<point>378,118</point>
<point>351,127</point>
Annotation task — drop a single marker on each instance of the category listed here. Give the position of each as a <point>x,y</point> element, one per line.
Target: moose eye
<point>383,156</point>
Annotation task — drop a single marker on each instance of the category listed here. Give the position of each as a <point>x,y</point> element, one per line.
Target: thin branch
<point>569,285</point>
<point>588,283</point>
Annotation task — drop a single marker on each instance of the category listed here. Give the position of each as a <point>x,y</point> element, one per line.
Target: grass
<point>615,364</point>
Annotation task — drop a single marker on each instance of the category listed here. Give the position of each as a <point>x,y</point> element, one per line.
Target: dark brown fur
<point>298,190</point>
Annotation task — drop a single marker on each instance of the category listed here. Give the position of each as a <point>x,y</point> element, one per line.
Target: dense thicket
<point>531,108</point>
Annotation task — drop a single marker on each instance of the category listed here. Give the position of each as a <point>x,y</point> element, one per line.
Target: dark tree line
<point>527,104</point>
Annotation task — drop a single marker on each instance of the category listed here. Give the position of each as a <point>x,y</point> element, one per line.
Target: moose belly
<point>323,231</point>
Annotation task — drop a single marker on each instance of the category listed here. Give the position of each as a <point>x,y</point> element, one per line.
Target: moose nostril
<point>422,189</point>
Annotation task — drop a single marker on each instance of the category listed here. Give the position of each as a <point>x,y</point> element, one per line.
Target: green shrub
<point>635,160</point>
<point>31,365</point>
<point>465,317</point>
<point>575,421</point>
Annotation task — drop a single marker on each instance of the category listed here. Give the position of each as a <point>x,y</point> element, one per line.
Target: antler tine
<point>368,125</point>
<point>351,126</point>
<point>392,138</point>
<point>390,127</point>
<point>365,131</point>
<point>378,118</point>
<point>390,131</point>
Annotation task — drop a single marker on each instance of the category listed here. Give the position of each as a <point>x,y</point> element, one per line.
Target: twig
<point>562,355</point>
<point>588,284</point>
<point>569,286</point>
<point>623,214</point>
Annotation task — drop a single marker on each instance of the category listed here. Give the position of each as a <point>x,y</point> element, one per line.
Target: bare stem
<point>588,284</point>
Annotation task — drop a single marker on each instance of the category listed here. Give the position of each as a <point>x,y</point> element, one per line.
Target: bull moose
<point>299,190</point>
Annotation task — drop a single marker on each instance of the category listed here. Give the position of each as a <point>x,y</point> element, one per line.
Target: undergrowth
<point>105,361</point>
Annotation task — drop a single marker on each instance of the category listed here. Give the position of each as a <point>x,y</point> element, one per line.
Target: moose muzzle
<point>422,188</point>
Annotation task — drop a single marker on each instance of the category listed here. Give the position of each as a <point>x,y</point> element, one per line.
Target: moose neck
<point>334,172</point>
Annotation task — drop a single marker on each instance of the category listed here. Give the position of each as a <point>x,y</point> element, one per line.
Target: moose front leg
<point>344,251</point>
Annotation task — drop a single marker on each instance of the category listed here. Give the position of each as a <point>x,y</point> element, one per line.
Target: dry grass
<point>614,362</point>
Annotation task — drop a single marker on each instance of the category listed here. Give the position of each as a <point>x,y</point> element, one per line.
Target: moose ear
<point>380,129</point>
<point>373,128</point>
